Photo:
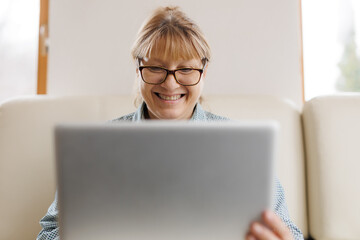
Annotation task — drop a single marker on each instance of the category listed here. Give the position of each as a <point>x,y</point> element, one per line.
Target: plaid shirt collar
<point>198,114</point>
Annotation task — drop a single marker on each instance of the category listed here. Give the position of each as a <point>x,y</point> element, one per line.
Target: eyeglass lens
<point>155,75</point>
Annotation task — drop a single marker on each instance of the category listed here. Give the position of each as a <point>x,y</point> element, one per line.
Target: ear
<point>137,72</point>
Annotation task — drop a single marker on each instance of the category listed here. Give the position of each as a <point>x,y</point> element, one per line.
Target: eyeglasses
<point>184,76</point>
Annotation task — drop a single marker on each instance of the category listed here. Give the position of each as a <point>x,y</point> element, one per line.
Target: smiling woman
<point>171,56</point>
<point>171,53</point>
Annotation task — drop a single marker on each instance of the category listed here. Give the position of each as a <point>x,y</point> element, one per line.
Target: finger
<point>261,232</point>
<point>249,236</point>
<point>275,223</point>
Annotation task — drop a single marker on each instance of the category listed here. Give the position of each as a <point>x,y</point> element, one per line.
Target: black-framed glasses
<point>156,75</point>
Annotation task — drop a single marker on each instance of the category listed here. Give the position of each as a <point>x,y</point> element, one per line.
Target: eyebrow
<point>181,64</point>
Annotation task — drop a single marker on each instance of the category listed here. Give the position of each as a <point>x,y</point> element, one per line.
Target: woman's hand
<point>272,228</point>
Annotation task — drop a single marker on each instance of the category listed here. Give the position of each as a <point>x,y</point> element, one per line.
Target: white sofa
<point>322,192</point>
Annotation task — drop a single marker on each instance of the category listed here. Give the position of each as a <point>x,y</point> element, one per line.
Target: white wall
<point>255,43</point>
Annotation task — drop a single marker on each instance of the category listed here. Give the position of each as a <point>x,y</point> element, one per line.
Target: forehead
<point>172,48</point>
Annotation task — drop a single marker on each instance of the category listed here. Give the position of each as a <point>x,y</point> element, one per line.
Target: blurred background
<point>292,49</point>
<point>331,43</point>
<point>19,36</point>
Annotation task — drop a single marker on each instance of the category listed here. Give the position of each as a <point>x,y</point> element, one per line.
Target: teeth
<point>170,98</point>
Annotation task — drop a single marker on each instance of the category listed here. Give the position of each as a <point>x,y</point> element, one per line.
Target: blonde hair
<point>169,33</point>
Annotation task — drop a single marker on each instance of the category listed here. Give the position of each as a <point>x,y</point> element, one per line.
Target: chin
<point>170,115</point>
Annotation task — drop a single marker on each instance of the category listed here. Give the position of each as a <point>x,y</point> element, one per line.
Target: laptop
<point>163,179</point>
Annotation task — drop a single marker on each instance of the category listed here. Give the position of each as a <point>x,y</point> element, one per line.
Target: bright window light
<point>19,29</point>
<point>331,40</point>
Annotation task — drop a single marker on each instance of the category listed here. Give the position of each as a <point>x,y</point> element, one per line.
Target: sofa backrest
<point>332,136</point>
<point>27,175</point>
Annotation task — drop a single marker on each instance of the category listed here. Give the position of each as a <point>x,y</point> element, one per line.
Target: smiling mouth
<point>169,98</point>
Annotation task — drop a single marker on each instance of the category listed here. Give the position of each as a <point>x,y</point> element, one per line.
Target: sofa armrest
<point>332,137</point>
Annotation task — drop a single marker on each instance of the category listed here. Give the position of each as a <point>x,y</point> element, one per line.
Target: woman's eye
<point>156,69</point>
<point>185,70</point>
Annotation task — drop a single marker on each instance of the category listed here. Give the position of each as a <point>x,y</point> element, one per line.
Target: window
<point>19,29</point>
<point>331,45</point>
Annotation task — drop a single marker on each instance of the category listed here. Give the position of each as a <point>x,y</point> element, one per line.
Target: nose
<point>170,82</point>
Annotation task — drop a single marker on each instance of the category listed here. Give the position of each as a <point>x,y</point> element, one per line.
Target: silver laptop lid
<point>163,180</point>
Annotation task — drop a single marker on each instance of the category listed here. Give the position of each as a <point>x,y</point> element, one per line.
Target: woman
<point>171,55</point>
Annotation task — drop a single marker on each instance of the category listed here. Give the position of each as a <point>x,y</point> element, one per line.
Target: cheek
<point>197,90</point>
<point>145,89</point>
<point>142,88</point>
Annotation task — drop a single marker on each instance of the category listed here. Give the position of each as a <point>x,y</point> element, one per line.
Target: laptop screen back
<point>163,180</point>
